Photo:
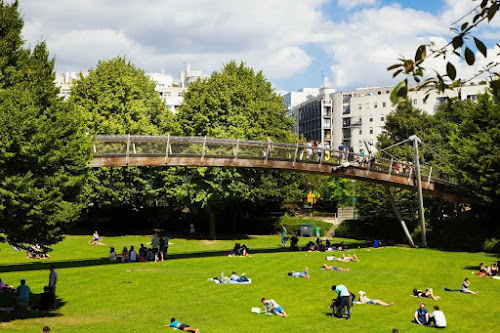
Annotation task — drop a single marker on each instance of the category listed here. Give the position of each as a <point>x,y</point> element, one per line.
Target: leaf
<point>390,68</point>
<point>495,84</point>
<point>451,71</point>
<point>480,46</point>
<point>492,11</point>
<point>477,17</point>
<point>396,73</point>
<point>464,26</point>
<point>398,94</point>
<point>484,3</point>
<point>469,56</point>
<point>421,53</point>
<point>457,41</point>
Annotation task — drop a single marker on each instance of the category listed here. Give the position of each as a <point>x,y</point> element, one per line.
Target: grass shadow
<point>9,298</point>
<point>35,266</point>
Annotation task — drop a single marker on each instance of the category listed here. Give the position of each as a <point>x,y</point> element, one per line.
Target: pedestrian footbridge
<point>119,151</point>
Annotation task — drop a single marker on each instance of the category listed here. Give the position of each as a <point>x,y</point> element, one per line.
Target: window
<point>375,105</point>
<point>472,97</point>
<point>415,101</point>
<point>371,130</point>
<point>327,122</point>
<point>379,92</point>
<point>370,142</point>
<point>167,93</point>
<point>383,104</point>
<point>371,118</point>
<point>367,105</point>
<point>387,91</point>
<point>382,118</point>
<point>359,106</point>
<point>360,132</point>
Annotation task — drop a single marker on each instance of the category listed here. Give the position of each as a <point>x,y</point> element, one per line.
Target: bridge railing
<point>203,147</point>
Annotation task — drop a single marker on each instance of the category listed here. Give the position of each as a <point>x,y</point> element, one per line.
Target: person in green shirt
<point>283,236</point>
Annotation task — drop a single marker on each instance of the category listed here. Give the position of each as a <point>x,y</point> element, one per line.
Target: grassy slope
<point>141,297</point>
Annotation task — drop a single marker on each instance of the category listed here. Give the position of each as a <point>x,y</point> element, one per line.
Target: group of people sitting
<point>319,245</point>
<point>239,251</point>
<point>157,252</point>
<point>491,271</point>
<point>22,301</point>
<point>34,251</point>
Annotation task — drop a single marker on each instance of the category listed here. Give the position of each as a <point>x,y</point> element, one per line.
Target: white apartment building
<point>356,117</point>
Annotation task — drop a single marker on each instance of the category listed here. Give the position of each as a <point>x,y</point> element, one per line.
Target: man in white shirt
<point>53,284</point>
<point>437,318</point>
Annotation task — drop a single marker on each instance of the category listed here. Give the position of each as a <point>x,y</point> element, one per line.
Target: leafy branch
<point>459,46</point>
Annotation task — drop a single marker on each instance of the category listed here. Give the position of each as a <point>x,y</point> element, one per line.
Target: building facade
<point>355,118</point>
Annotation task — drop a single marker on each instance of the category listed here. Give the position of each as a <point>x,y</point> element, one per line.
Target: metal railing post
<point>236,150</point>
<point>167,149</point>
<point>390,169</point>
<point>203,150</point>
<point>128,151</point>
<point>429,179</point>
<point>295,157</point>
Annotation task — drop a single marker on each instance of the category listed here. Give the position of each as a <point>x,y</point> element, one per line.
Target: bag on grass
<point>257,310</point>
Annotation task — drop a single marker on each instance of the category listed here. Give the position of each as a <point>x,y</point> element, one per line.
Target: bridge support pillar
<point>398,215</point>
<point>416,140</point>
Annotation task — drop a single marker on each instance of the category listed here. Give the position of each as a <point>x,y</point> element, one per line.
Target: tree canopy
<point>43,147</point>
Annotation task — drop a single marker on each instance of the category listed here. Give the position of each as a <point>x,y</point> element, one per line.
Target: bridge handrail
<point>296,152</point>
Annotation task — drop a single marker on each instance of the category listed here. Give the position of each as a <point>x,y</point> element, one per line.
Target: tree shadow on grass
<point>7,299</point>
<point>35,266</point>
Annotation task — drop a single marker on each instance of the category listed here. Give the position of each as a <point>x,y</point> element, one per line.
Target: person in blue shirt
<point>183,327</point>
<point>344,299</point>
<point>23,294</point>
<point>271,306</point>
<point>304,274</point>
<point>422,315</point>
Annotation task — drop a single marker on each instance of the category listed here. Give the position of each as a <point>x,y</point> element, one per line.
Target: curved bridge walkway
<point>113,151</point>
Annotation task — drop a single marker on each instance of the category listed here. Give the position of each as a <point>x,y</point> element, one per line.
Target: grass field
<point>100,296</point>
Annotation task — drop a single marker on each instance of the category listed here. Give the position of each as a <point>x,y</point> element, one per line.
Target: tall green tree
<point>233,103</point>
<point>44,150</point>
<point>118,98</point>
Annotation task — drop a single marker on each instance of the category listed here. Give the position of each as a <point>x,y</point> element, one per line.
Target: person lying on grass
<point>344,258</point>
<point>180,326</point>
<point>270,305</point>
<point>242,278</point>
<point>335,268</point>
<point>428,293</point>
<point>5,287</point>
<point>304,274</point>
<point>365,300</point>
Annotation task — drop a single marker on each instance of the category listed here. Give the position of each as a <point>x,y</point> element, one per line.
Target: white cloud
<point>350,4</point>
<point>158,34</point>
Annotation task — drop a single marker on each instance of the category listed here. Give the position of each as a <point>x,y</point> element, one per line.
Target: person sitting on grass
<point>23,298</point>
<point>365,300</point>
<point>180,326</point>
<point>465,288</point>
<point>124,255</point>
<point>437,318</point>
<point>96,239</point>
<point>483,270</point>
<point>421,315</point>
<point>492,270</point>
<point>143,251</point>
<point>294,240</point>
<point>428,293</point>
<point>270,305</point>
<point>47,300</point>
<point>112,254</point>
<point>5,287</point>
<point>335,268</point>
<point>240,250</point>
<point>304,274</point>
<point>132,254</point>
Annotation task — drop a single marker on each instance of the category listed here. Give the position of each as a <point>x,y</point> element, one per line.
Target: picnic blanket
<point>224,281</point>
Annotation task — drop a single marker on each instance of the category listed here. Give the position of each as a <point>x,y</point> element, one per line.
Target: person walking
<point>53,284</point>
<point>155,242</point>
<point>283,235</point>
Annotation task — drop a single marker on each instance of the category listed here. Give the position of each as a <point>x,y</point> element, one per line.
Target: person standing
<point>161,248</point>
<point>437,318</point>
<point>53,284</point>
<point>345,299</point>
<point>341,152</point>
<point>283,235</point>
<point>155,242</point>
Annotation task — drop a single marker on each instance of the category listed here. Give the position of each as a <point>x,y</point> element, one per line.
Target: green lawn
<point>98,296</point>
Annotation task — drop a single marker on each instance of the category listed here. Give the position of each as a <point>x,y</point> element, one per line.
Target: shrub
<point>292,224</point>
<point>492,245</point>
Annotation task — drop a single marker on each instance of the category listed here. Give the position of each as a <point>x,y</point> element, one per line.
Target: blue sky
<point>352,42</point>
